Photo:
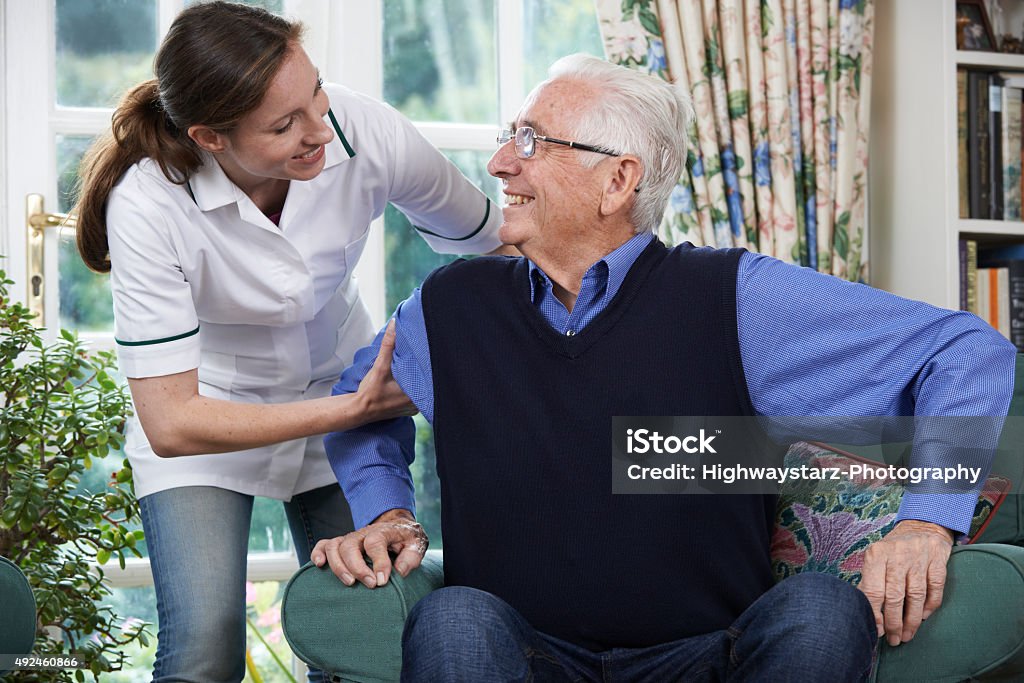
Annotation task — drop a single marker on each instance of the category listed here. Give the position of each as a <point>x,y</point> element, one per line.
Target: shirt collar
<point>212,188</point>
<point>617,264</point>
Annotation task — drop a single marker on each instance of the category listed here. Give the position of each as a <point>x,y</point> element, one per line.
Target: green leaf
<point>841,238</point>
<point>69,388</point>
<point>737,104</point>
<point>649,21</point>
<point>9,516</point>
<point>144,640</point>
<point>68,336</point>
<point>102,556</point>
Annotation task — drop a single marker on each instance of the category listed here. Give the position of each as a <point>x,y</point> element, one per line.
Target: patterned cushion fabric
<point>826,525</point>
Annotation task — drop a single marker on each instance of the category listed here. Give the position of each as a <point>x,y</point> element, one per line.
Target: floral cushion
<point>825,525</point>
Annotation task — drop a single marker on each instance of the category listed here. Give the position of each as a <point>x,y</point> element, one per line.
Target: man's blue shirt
<point>803,336</point>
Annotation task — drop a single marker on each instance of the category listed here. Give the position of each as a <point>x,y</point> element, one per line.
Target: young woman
<point>234,198</point>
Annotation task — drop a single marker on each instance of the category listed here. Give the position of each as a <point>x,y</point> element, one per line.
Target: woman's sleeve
<point>155,322</point>
<point>448,210</point>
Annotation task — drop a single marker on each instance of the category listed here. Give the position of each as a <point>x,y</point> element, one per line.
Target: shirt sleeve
<point>448,211</point>
<point>155,322</point>
<point>372,462</point>
<point>812,344</point>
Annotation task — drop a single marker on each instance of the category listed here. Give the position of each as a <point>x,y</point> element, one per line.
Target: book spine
<point>993,296</point>
<point>977,144</point>
<point>1016,271</point>
<point>961,139</point>
<point>995,135</point>
<point>1003,298</point>
<point>962,260</point>
<point>1011,143</point>
<point>983,295</point>
<point>972,276</point>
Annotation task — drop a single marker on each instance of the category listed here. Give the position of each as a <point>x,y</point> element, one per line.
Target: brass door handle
<point>36,223</point>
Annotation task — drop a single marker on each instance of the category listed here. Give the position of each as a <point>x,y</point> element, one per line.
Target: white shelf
<point>986,227</point>
<point>994,60</point>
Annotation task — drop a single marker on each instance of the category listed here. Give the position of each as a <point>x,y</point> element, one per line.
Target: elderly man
<point>520,364</point>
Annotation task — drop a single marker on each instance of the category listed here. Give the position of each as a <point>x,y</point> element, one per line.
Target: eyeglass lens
<point>525,143</point>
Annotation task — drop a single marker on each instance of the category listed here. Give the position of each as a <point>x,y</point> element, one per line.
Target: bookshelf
<point>914,215</point>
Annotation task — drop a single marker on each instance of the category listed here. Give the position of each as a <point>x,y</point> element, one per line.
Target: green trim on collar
<point>157,341</point>
<point>341,136</point>
<point>487,214</point>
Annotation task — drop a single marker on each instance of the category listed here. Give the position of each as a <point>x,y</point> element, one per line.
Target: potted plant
<point>60,411</point>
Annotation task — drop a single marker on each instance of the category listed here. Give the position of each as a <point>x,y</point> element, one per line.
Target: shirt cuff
<point>481,238</point>
<point>952,510</point>
<point>154,359</point>
<point>380,495</point>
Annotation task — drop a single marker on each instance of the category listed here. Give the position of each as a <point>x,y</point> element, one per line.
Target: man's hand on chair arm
<point>904,575</point>
<point>395,530</point>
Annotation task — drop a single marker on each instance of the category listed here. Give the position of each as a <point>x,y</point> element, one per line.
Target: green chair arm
<point>354,632</point>
<point>18,625</point>
<point>977,633</point>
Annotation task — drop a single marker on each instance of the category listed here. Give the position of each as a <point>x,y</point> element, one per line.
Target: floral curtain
<point>778,155</point>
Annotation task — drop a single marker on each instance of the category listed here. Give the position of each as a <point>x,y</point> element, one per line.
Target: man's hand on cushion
<point>904,575</point>
<point>395,530</point>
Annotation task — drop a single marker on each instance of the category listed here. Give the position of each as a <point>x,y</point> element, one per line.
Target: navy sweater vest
<point>522,428</point>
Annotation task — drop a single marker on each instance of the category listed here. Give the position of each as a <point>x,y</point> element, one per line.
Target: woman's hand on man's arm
<point>178,420</point>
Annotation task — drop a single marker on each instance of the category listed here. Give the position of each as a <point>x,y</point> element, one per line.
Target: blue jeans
<point>198,538</point>
<point>809,628</point>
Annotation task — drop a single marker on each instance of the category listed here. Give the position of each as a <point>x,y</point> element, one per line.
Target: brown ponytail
<point>213,67</point>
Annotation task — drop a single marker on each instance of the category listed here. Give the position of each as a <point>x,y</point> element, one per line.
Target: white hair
<point>637,114</point>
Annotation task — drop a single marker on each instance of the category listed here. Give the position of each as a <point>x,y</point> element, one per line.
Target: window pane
<point>85,303</point>
<point>263,612</point>
<point>103,48</point>
<point>408,257</point>
<point>135,604</point>
<point>264,637</point>
<point>554,29</point>
<point>268,531</point>
<point>439,59</point>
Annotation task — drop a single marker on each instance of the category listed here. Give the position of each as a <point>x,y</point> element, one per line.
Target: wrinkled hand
<point>904,575</point>
<point>395,530</point>
<point>380,394</point>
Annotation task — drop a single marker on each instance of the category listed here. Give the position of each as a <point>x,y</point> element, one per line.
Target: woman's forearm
<point>206,425</point>
<point>178,420</point>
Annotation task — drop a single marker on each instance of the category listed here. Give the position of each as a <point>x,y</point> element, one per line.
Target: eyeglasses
<point>526,142</point>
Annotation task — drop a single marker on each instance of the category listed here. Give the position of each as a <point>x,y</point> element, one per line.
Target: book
<point>983,294</point>
<point>1015,79</point>
<point>968,251</point>
<point>1001,302</point>
<point>961,250</point>
<point>1011,153</point>
<point>995,138</point>
<point>979,183</point>
<point>972,276</point>
<point>961,140</point>
<point>1012,258</point>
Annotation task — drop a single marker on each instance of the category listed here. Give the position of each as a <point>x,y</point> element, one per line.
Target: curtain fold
<point>781,88</point>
